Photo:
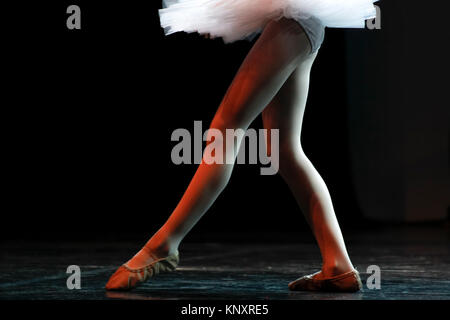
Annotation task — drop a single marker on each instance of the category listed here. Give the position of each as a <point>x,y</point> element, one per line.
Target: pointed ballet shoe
<point>126,278</point>
<point>346,282</point>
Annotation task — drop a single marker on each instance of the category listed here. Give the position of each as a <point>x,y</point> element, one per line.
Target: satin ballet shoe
<point>346,282</point>
<point>126,278</point>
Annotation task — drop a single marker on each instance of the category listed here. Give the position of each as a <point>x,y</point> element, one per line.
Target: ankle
<point>160,249</point>
<point>331,270</point>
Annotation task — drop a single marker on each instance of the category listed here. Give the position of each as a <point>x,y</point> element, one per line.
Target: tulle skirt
<point>238,19</point>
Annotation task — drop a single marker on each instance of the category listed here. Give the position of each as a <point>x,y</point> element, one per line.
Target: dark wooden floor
<point>414,262</point>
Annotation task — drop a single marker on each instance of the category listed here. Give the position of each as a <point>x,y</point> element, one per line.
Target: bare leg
<point>279,50</point>
<point>285,113</point>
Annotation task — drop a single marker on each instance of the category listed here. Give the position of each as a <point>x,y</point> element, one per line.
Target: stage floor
<point>414,262</point>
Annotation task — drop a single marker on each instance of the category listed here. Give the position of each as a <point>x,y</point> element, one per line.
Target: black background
<point>90,113</point>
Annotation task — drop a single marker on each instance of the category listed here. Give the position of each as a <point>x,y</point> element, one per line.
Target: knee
<point>291,156</point>
<point>287,144</point>
<point>220,170</point>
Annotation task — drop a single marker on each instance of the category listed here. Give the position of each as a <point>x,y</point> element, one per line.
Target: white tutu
<point>238,19</point>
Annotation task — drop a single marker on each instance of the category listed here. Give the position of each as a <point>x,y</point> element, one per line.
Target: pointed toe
<point>119,280</point>
<point>126,278</point>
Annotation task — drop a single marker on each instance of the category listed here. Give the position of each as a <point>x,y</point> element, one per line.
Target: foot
<point>329,280</point>
<point>141,267</point>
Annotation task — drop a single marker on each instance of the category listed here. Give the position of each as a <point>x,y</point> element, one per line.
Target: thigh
<point>285,111</point>
<point>275,55</point>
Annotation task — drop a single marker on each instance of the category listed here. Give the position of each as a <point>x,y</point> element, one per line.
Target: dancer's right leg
<point>281,47</point>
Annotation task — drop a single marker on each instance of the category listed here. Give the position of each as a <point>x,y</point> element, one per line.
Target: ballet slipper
<point>346,282</point>
<point>126,278</point>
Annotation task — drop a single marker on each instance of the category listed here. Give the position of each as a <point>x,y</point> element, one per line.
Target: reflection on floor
<point>414,262</point>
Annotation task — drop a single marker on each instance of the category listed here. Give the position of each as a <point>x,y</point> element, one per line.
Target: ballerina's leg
<point>281,47</point>
<point>285,113</point>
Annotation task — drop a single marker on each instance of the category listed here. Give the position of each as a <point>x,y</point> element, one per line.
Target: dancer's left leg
<point>285,113</point>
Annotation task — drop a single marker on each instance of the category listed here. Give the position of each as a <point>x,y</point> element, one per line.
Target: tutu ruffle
<point>238,19</point>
